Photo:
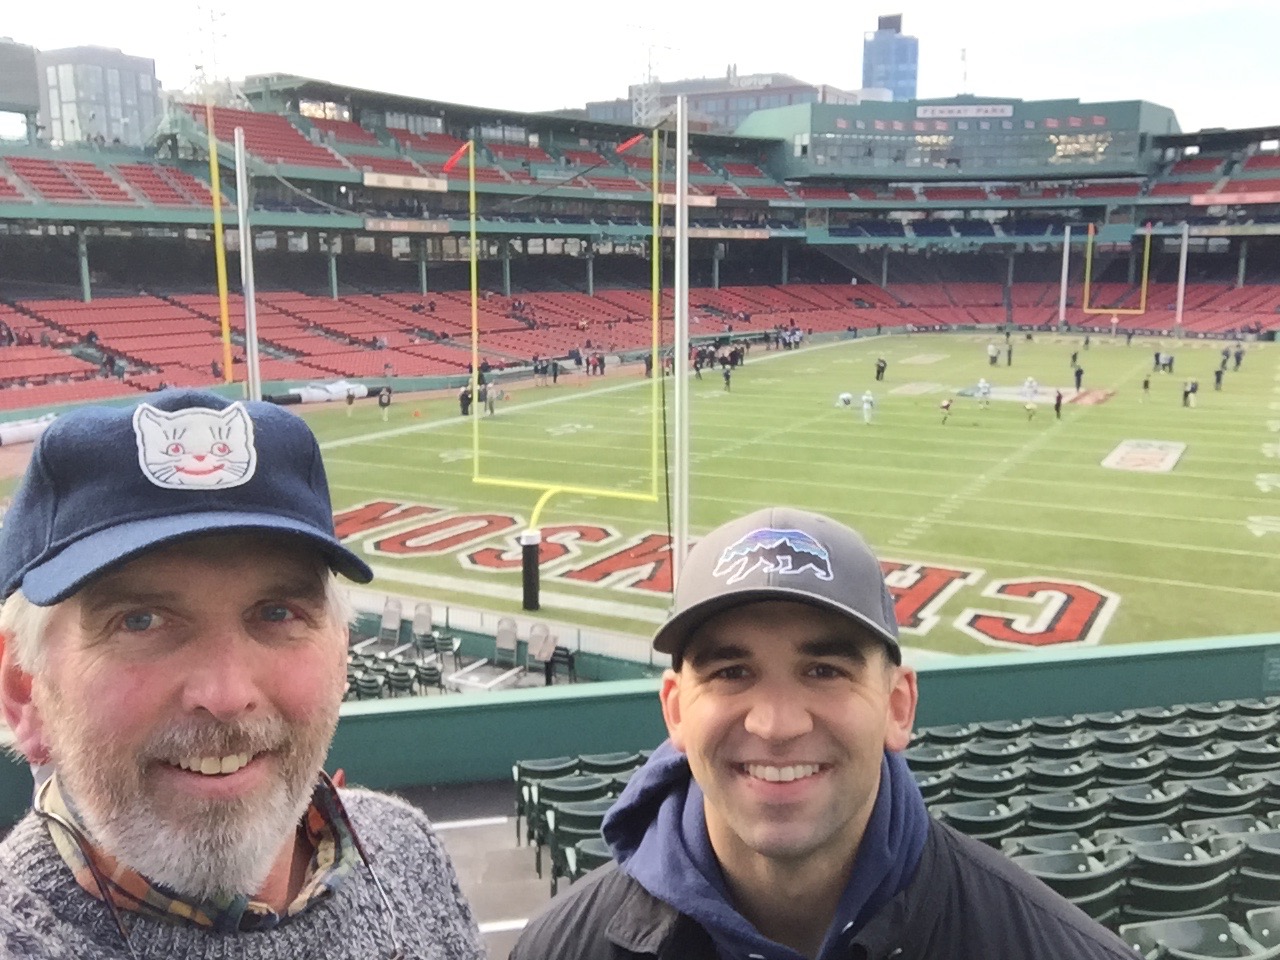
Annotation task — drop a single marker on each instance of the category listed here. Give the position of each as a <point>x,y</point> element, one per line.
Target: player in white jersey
<point>868,404</point>
<point>984,393</point>
<point>844,400</point>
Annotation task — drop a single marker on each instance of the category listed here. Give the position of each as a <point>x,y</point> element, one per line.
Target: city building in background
<point>890,59</point>
<point>97,95</point>
<point>19,91</point>
<point>720,104</point>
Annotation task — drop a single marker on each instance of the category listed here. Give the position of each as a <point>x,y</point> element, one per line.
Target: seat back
<point>542,643</point>
<point>422,619</point>
<point>504,641</point>
<point>1204,936</point>
<point>390,628</point>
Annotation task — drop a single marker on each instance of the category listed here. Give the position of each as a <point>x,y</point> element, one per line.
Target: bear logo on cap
<point>773,551</point>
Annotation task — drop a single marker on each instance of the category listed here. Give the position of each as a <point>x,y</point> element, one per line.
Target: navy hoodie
<point>658,833</point>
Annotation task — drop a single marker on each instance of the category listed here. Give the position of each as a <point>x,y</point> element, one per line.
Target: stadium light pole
<point>1182,278</point>
<point>680,511</point>
<point>1062,283</point>
<point>254,376</point>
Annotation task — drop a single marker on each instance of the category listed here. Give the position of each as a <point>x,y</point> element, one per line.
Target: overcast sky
<point>1215,63</point>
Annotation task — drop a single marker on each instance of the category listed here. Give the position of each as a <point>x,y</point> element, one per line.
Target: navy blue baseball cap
<point>781,553</point>
<point>108,484</point>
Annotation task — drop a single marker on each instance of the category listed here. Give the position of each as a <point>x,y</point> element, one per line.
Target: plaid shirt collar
<point>327,830</point>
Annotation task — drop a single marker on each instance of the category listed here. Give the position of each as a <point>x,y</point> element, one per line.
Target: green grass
<point>989,491</point>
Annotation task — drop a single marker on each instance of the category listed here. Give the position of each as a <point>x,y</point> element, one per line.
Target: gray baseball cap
<point>781,553</point>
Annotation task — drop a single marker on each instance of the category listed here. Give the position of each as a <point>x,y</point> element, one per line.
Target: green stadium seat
<point>1155,901</point>
<point>607,764</point>
<point>1247,728</point>
<point>1181,863</point>
<point>976,783</point>
<point>1004,729</point>
<point>1068,841</point>
<point>1212,711</point>
<point>1055,812</point>
<point>1221,796</point>
<point>929,758</point>
<point>1121,769</point>
<point>526,772</point>
<point>1052,776</point>
<point>1140,833</point>
<point>1125,740</point>
<point>1071,746</point>
<point>1056,726</point>
<point>1186,938</point>
<point>545,793</point>
<point>429,675</point>
<point>567,824</point>
<point>586,856</point>
<point>1195,830</point>
<point>1268,705</point>
<point>988,820</point>
<point>1185,733</point>
<point>1264,925</point>
<point>935,786</point>
<point>1144,803</point>
<point>1001,753</point>
<point>1255,756</point>
<point>1156,716</point>
<point>1078,874</point>
<point>950,734</point>
<point>1193,763</point>
<point>1109,720</point>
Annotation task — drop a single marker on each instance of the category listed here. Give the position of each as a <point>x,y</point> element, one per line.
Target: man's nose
<point>222,677</point>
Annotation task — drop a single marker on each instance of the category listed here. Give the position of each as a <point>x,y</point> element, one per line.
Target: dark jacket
<point>966,902</point>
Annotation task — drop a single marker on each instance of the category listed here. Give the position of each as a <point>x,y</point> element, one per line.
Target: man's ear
<point>18,708</point>
<point>903,697</point>
<point>670,697</point>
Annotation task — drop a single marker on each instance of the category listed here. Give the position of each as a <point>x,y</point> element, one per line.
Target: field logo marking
<point>919,591</point>
<point>568,429</point>
<point>1145,456</point>
<point>1070,613</point>
<point>1261,526</point>
<point>1267,482</point>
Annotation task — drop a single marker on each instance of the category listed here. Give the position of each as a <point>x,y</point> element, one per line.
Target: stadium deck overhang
<point>1216,139</point>
<point>289,91</point>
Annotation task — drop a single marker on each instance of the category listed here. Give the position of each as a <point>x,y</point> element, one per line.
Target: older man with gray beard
<point>173,650</point>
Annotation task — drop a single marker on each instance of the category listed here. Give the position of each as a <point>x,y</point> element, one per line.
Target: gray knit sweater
<point>44,913</point>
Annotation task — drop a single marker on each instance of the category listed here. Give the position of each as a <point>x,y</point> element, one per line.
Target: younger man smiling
<point>779,821</point>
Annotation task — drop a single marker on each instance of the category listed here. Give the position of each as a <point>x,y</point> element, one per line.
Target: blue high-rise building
<point>890,59</point>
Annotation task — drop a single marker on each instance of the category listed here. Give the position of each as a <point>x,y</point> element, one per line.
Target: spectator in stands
<point>174,645</point>
<point>779,819</point>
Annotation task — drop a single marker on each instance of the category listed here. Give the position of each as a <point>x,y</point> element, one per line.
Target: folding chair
<point>423,641</point>
<point>542,646</point>
<point>504,643</point>
<point>389,632</point>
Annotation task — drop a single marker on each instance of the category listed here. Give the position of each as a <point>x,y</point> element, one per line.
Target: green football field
<point>998,531</point>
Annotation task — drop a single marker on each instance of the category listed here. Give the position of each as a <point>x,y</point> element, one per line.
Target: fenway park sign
<point>1050,612</point>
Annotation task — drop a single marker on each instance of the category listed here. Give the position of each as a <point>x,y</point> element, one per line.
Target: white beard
<point>199,849</point>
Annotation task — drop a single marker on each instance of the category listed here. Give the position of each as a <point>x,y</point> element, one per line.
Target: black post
<point>529,543</point>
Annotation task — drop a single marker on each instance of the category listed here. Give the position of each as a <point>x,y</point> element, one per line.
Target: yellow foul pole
<point>219,246</point>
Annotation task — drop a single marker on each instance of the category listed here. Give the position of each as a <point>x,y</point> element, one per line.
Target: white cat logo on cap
<point>774,551</point>
<point>196,448</point>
